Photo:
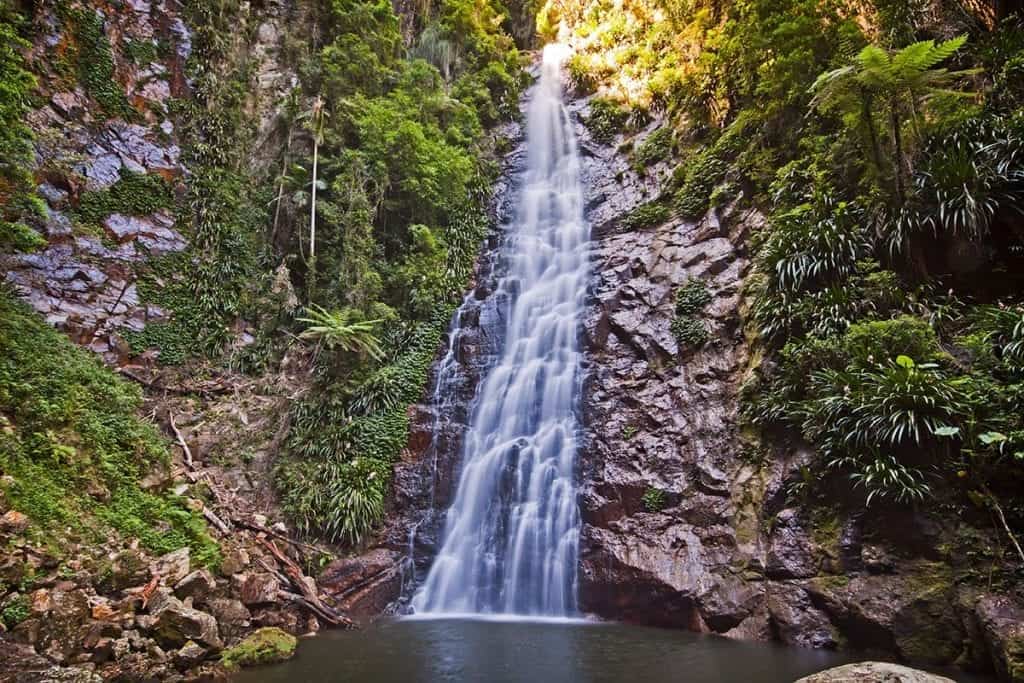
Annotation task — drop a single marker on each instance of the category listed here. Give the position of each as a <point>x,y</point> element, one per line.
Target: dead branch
<point>181,441</point>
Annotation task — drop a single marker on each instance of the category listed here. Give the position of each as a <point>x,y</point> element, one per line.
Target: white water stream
<point>510,538</point>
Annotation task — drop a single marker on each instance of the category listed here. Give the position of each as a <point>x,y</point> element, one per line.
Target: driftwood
<point>270,532</point>
<point>309,599</point>
<point>208,390</point>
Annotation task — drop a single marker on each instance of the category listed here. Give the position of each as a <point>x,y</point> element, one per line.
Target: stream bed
<point>507,651</point>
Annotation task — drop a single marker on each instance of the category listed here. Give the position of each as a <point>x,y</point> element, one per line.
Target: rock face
<point>874,672</point>
<point>686,522</point>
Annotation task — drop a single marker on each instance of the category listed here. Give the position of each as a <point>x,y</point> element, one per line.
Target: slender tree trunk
<point>312,204</point>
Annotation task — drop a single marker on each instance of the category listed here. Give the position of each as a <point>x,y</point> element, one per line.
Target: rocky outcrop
<point>873,672</point>
<point>687,521</point>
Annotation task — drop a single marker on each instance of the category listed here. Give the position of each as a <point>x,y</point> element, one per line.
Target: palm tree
<point>342,330</point>
<point>895,85</point>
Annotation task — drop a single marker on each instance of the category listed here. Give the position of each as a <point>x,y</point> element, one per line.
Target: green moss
<point>265,646</point>
<point>74,447</point>
<point>688,328</point>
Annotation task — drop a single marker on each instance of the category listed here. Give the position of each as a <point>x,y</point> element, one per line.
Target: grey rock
<point>874,672</point>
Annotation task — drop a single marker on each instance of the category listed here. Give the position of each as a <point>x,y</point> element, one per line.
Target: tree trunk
<point>897,141</point>
<point>312,204</point>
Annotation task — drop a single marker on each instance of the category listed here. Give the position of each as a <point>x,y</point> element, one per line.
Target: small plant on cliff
<point>606,119</point>
<point>687,326</point>
<point>654,500</point>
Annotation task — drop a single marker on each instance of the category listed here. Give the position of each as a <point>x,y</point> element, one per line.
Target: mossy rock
<point>265,646</point>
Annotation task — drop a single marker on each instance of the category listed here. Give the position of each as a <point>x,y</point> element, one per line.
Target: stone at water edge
<point>265,646</point>
<point>873,672</point>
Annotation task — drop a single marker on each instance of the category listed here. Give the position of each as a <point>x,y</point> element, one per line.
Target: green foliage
<point>700,177</point>
<point>655,147</point>
<point>692,297</point>
<point>606,119</point>
<point>342,330</point>
<point>74,447</point>
<point>687,327</point>
<point>646,216</point>
<point>135,194</point>
<point>15,611</point>
<point>16,184</point>
<point>690,332</point>
<point>96,62</point>
<point>654,500</point>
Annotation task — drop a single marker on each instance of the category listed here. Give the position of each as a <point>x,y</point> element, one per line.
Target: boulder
<point>874,672</point>
<point>1001,621</point>
<point>265,646</point>
<point>172,567</point>
<point>233,618</point>
<point>189,655</point>
<point>176,624</point>
<point>197,585</point>
<point>13,522</point>
<point>796,620</point>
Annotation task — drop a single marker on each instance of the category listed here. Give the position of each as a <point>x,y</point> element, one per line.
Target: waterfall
<point>511,535</point>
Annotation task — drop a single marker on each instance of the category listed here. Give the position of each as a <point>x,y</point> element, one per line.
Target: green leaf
<point>905,362</point>
<point>989,438</point>
<point>947,431</point>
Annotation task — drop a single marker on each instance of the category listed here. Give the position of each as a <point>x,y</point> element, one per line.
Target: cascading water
<point>511,535</point>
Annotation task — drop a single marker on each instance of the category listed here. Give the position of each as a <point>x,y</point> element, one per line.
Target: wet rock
<point>795,620</point>
<point>364,586</point>
<point>1001,622</point>
<point>874,672</point>
<point>791,554</point>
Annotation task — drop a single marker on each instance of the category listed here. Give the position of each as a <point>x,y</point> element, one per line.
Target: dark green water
<point>429,651</point>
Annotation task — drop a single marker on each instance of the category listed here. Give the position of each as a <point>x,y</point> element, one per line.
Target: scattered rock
<point>189,655</point>
<point>172,567</point>
<point>197,585</point>
<point>177,623</point>
<point>258,588</point>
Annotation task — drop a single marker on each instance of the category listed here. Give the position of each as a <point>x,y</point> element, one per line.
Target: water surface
<point>496,651</point>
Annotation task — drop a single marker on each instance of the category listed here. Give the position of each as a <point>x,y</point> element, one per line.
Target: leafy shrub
<point>134,194</point>
<point>692,297</point>
<point>688,329</point>
<point>15,611</point>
